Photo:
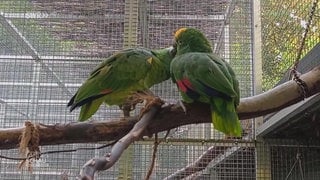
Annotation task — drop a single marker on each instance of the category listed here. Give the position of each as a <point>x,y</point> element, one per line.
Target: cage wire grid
<point>49,47</point>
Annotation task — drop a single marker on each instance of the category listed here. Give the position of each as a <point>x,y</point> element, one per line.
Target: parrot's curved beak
<point>173,51</point>
<point>174,44</point>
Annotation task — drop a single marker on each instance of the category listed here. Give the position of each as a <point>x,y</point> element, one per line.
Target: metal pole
<point>131,19</point>
<point>262,153</point>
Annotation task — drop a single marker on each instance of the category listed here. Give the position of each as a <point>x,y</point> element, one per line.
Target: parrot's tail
<point>88,109</point>
<point>225,117</point>
<point>72,104</point>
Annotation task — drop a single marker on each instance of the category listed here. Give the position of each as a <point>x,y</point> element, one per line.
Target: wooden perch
<point>103,163</point>
<point>168,117</point>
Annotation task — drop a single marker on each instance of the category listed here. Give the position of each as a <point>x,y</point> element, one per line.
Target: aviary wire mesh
<point>48,48</point>
<point>283,28</point>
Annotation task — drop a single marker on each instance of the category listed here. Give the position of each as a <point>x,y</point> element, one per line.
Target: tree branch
<point>270,101</point>
<point>199,164</point>
<point>103,163</point>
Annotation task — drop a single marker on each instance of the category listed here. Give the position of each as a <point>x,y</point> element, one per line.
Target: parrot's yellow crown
<point>179,31</point>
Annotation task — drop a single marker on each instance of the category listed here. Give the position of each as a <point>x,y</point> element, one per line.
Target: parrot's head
<point>171,51</point>
<point>191,40</point>
<point>166,55</point>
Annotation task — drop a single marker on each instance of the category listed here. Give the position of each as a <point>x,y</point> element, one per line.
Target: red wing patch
<point>187,83</point>
<point>184,84</point>
<point>106,91</point>
<point>181,86</point>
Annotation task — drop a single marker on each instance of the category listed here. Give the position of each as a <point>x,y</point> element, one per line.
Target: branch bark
<point>270,101</point>
<point>103,163</point>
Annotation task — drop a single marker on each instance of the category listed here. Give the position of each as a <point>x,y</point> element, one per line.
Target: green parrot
<point>120,76</point>
<point>202,76</point>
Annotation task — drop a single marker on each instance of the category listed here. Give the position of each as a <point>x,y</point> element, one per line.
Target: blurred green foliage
<point>283,25</point>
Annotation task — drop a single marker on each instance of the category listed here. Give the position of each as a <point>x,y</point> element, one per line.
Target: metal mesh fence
<point>288,159</point>
<point>284,25</point>
<point>48,48</point>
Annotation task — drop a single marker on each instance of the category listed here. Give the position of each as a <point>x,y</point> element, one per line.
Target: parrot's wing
<point>208,74</point>
<point>235,84</point>
<point>230,75</point>
<point>117,73</point>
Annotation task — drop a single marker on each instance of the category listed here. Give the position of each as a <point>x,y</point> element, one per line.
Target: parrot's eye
<point>179,42</point>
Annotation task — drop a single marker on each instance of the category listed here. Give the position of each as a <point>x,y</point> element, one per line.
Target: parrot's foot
<point>150,101</point>
<point>130,105</point>
<point>134,99</point>
<point>166,135</point>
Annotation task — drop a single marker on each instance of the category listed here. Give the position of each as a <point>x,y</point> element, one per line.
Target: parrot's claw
<point>130,104</point>
<point>167,134</point>
<point>181,104</point>
<point>126,108</point>
<point>150,101</point>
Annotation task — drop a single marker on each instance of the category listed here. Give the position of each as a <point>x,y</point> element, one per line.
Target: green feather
<point>120,75</point>
<point>224,117</point>
<point>89,109</point>
<point>211,80</point>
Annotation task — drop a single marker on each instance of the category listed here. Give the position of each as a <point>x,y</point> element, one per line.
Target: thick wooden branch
<point>169,117</point>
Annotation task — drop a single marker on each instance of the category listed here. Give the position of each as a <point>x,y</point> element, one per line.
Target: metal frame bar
<point>287,114</point>
<point>223,27</point>
<point>201,142</point>
<point>41,15</point>
<point>130,39</point>
<point>262,151</point>
<point>47,58</point>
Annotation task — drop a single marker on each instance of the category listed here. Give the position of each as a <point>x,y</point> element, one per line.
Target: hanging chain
<point>296,77</point>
